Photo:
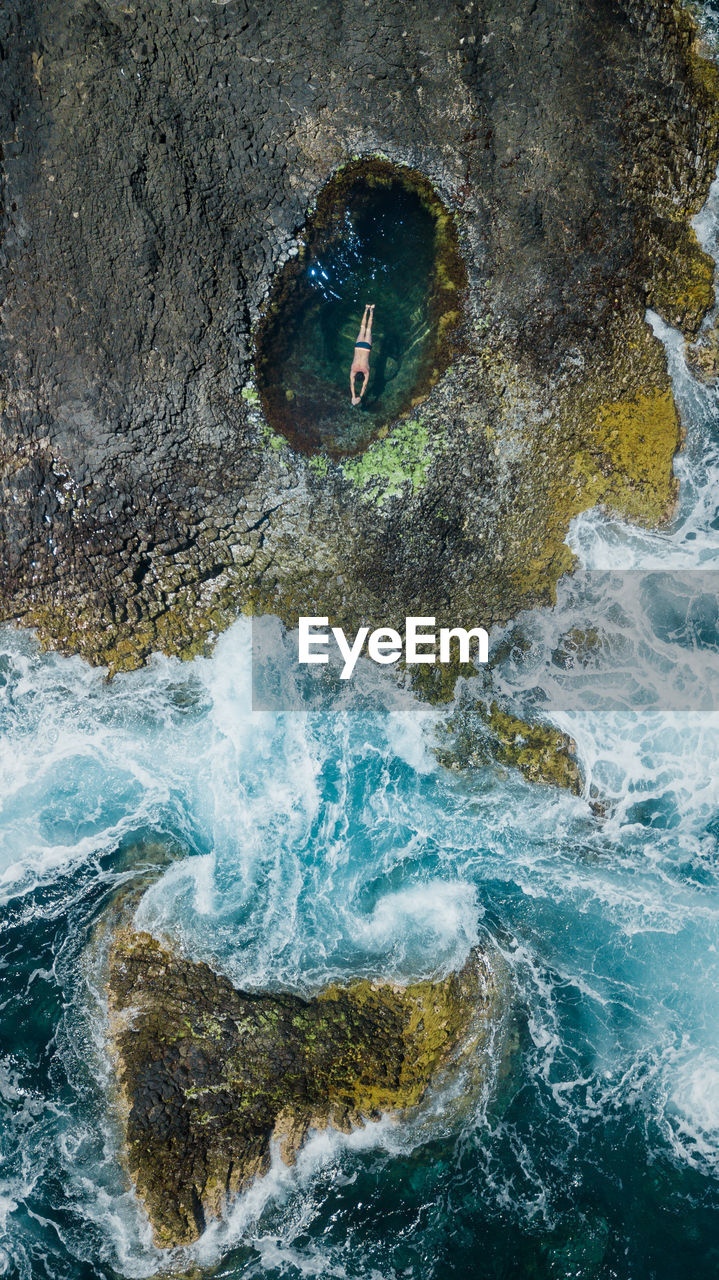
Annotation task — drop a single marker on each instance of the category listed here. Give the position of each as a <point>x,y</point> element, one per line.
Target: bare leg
<point>368,327</point>
<point>363,323</point>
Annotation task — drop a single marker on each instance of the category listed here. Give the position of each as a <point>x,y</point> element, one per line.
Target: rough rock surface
<point>210,1075</point>
<point>157,163</point>
<point>479,735</point>
<point>703,356</point>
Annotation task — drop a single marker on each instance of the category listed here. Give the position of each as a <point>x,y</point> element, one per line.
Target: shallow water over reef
<point>380,235</point>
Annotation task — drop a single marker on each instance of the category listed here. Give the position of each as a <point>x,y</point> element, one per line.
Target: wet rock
<point>703,357</point>
<point>210,1076</point>
<point>578,647</point>
<point>479,735</point>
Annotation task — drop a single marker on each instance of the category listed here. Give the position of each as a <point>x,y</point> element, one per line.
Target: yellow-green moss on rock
<point>186,627</point>
<point>682,284</point>
<point>540,752</point>
<point>640,435</point>
<point>210,1075</point>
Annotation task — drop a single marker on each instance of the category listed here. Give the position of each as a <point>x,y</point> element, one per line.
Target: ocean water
<point>291,848</point>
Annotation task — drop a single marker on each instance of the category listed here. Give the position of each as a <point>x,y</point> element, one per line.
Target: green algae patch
<point>319,465</point>
<point>210,1075</point>
<point>482,735</point>
<point>402,457</point>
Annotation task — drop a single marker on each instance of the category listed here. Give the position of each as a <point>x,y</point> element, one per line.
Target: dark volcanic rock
<point>158,161</point>
<point>210,1075</point>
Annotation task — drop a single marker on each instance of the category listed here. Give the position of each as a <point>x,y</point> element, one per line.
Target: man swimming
<point>363,346</point>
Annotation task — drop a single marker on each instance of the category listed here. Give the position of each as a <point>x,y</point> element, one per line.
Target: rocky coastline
<point>158,167</point>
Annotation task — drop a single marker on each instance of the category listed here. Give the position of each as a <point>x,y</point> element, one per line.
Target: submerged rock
<point>210,1075</point>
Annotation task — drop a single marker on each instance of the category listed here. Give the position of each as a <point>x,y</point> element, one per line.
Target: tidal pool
<point>381,235</point>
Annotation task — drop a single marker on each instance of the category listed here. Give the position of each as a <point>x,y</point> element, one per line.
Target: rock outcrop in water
<point>157,164</point>
<point>479,735</point>
<point>703,356</point>
<point>211,1075</point>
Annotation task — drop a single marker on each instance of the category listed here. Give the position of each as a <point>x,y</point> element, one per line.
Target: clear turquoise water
<point>293,848</point>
